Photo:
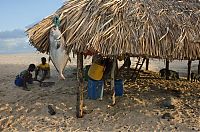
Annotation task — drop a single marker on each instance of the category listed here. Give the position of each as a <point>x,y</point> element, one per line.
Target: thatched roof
<point>153,28</point>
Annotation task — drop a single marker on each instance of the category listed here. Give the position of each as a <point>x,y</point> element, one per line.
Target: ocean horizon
<point>17,51</point>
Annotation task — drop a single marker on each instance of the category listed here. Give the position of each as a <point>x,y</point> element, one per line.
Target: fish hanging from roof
<point>57,52</point>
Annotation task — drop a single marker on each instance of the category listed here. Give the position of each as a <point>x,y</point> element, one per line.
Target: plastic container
<point>119,87</point>
<point>96,71</point>
<point>94,88</point>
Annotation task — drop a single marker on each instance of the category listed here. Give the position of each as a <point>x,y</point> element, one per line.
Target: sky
<point>16,15</point>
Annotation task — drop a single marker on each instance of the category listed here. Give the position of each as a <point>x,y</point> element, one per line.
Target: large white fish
<point>57,52</point>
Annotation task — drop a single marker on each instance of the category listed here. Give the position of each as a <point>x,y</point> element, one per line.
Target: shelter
<point>167,29</point>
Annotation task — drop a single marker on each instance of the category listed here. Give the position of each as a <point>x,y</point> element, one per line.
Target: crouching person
<point>172,74</point>
<point>25,77</point>
<point>43,70</point>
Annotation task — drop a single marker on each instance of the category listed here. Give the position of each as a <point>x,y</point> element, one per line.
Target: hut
<point>167,29</point>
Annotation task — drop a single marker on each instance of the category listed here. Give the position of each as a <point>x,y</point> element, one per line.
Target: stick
<point>113,80</point>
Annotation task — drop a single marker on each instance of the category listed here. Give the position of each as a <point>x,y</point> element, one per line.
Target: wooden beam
<point>147,64</point>
<point>113,80</point>
<point>79,103</point>
<point>189,69</point>
<point>167,69</point>
<point>199,67</point>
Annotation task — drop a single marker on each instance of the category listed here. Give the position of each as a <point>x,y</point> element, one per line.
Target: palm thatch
<point>153,28</point>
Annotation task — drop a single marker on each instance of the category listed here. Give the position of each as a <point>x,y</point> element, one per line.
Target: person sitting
<point>43,70</point>
<point>25,77</point>
<point>173,74</point>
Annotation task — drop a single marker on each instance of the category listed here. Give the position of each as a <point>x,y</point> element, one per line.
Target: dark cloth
<point>108,67</point>
<point>127,62</point>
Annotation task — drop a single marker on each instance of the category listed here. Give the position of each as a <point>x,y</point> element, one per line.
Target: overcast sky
<point>18,14</point>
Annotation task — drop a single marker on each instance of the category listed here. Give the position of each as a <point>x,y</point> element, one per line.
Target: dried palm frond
<point>153,28</point>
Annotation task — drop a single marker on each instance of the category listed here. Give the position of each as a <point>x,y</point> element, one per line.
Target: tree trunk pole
<point>79,103</point>
<point>189,69</point>
<point>147,64</point>
<point>113,80</point>
<point>199,67</point>
<point>167,69</point>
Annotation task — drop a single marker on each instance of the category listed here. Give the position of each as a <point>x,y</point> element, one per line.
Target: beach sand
<point>141,108</point>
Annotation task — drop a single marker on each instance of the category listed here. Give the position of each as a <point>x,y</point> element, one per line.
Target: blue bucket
<point>94,88</point>
<point>119,87</point>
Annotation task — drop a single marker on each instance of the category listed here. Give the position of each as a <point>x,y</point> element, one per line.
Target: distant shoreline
<point>17,52</point>
<point>154,64</point>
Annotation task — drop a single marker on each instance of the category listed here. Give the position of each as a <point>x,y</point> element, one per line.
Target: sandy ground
<point>141,108</point>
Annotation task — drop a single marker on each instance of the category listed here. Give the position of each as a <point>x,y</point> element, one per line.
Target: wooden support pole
<point>117,68</point>
<point>113,80</point>
<point>199,67</point>
<point>189,69</point>
<point>147,64</point>
<point>167,69</point>
<point>79,103</point>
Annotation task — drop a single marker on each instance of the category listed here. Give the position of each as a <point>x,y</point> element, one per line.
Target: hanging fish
<point>57,52</point>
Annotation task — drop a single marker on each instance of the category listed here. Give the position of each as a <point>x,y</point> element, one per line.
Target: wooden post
<point>189,69</point>
<point>147,64</point>
<point>79,103</point>
<point>113,80</point>
<point>167,69</point>
<point>199,67</point>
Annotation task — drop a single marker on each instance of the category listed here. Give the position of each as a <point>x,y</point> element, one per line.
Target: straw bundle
<point>38,36</point>
<point>153,28</point>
